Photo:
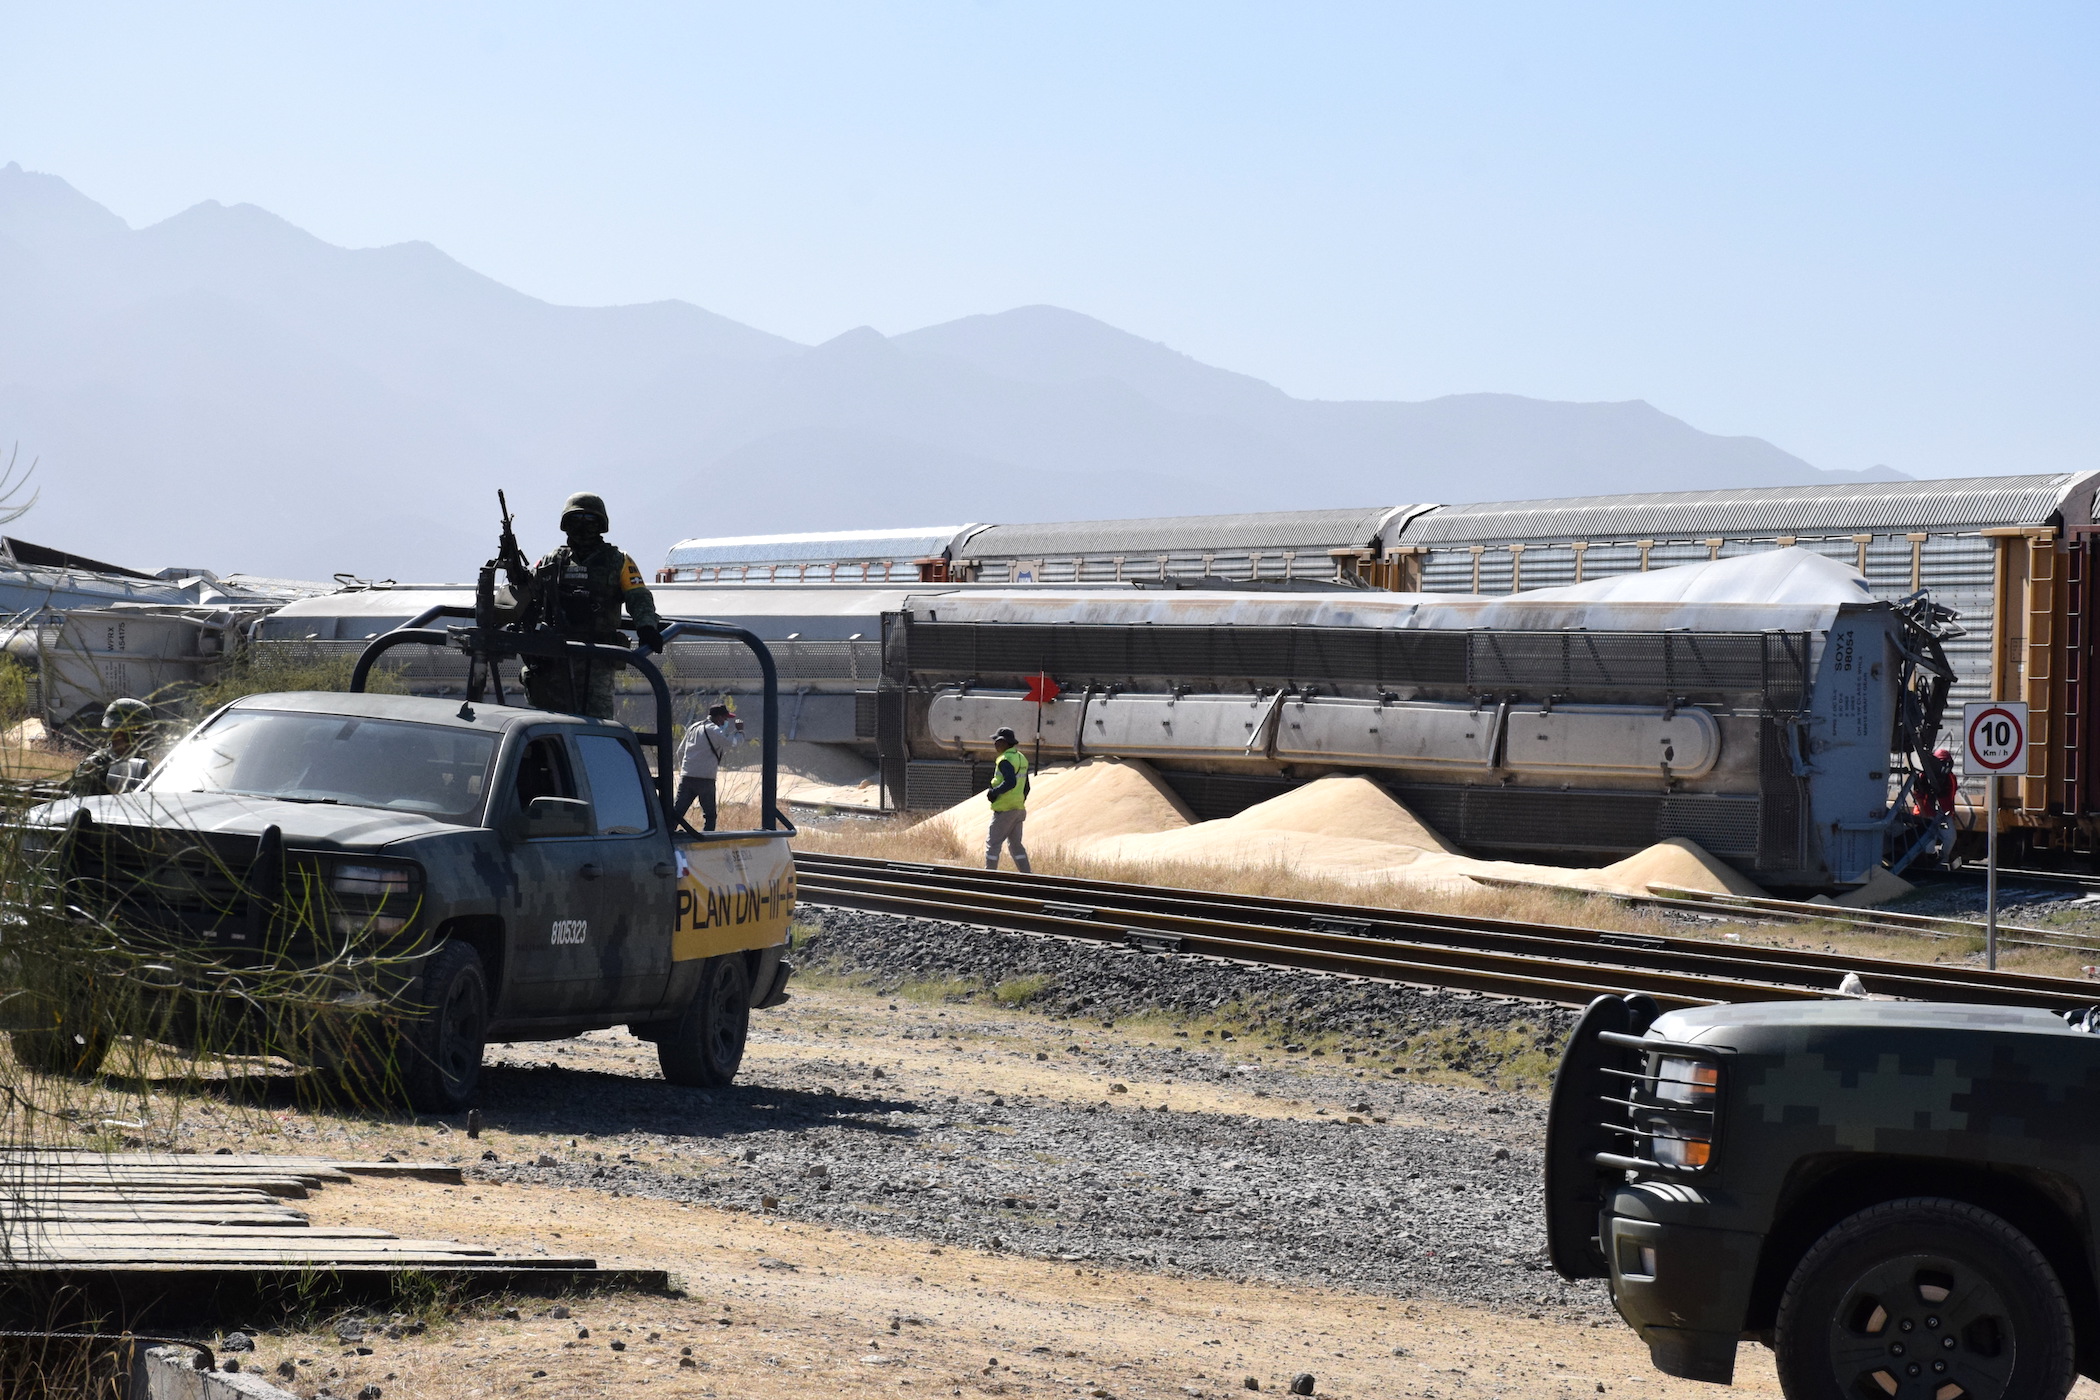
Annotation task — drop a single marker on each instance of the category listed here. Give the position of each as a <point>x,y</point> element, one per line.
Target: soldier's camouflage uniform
<point>103,772</point>
<point>91,775</point>
<point>580,595</point>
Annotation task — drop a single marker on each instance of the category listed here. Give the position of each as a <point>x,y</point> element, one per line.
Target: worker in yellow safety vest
<point>1009,798</point>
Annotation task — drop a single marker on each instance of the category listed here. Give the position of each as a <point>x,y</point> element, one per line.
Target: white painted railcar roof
<point>1794,590</point>
<point>1356,527</point>
<point>1951,504</point>
<point>817,547</point>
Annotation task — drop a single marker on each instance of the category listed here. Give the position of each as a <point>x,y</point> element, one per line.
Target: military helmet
<point>586,503</point>
<point>126,714</point>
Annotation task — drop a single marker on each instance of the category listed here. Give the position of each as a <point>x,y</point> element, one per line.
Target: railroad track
<point>1493,956</point>
<point>2057,879</point>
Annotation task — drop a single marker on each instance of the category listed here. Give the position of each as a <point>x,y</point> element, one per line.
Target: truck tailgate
<point>733,895</point>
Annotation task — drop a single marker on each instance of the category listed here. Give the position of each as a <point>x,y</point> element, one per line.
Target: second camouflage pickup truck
<point>1899,1198</point>
<point>518,863</point>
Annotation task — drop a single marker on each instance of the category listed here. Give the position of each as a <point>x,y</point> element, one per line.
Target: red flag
<point>1041,689</point>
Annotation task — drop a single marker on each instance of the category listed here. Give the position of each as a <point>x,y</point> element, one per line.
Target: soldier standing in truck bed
<point>578,592</point>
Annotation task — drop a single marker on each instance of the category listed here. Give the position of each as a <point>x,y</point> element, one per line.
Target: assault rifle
<point>508,556</point>
<point>489,615</point>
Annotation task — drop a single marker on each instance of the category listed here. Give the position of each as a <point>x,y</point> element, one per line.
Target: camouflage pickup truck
<point>514,872</point>
<point>1897,1198</point>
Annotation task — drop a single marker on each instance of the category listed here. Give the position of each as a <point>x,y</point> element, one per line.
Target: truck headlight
<point>372,881</point>
<point>1686,1093</point>
<point>1692,1083</point>
<point>349,924</point>
<point>1676,1145</point>
<point>379,899</point>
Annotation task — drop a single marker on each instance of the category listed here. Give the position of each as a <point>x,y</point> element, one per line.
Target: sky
<point>1865,232</point>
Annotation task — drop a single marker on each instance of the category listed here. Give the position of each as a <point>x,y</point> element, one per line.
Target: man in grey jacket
<point>702,760</point>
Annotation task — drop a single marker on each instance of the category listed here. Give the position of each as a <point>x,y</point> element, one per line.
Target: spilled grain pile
<point>1075,809</point>
<point>1340,827</point>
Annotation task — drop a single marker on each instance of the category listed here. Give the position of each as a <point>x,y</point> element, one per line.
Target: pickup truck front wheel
<point>441,1048</point>
<point>1922,1298</point>
<point>704,1046</point>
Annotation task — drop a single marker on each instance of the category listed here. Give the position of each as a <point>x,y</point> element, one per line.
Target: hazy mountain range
<point>224,390</point>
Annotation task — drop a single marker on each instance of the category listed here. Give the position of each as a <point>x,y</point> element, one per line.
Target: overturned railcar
<point>824,640</point>
<point>1781,729</point>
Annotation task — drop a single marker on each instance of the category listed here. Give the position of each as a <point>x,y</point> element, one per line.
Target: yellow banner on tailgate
<point>732,896</point>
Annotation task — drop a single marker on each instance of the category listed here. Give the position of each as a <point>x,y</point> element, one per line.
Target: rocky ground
<point>774,1308</point>
<point>2021,901</point>
<point>1083,1171</point>
<point>1080,980</point>
<point>957,1125</point>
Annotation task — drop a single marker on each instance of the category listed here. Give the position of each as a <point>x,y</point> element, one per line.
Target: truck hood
<point>310,824</point>
<point>1710,1025</point>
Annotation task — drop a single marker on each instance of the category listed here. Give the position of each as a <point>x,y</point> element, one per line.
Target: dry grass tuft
<point>888,838</point>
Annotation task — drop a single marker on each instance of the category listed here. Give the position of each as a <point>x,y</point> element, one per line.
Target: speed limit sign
<point>1994,741</point>
<point>1994,737</point>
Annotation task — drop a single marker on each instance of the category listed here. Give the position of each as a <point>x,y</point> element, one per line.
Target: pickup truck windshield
<point>386,763</point>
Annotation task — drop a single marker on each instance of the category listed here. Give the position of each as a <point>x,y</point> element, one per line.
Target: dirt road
<point>783,1309</point>
<point>802,1299</point>
<point>908,1194</point>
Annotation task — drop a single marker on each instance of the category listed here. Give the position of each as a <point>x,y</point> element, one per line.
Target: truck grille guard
<point>239,895</point>
<point>1623,1116</point>
<point>192,884</point>
<point>1607,1114</point>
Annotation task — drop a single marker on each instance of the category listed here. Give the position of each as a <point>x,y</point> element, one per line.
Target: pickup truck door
<point>590,922</point>
<point>636,890</point>
<point>548,921</point>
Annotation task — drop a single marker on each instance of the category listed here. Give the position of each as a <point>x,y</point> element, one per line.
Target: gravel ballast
<point>1111,981</point>
<point>1358,1178</point>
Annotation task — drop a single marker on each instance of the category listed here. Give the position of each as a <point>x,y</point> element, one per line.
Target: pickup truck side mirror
<point>557,816</point>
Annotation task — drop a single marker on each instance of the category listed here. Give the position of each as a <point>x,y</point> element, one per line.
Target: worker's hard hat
<point>125,714</point>
<point>586,503</point>
<point>1005,736</point>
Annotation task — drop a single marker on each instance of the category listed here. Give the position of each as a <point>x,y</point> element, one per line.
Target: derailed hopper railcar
<point>2011,556</point>
<point>1778,726</point>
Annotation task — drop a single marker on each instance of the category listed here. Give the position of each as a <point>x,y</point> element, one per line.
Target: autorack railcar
<point>2012,556</point>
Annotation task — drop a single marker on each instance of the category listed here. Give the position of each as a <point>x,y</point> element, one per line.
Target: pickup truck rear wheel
<point>1924,1299</point>
<point>704,1046</point>
<point>441,1048</point>
<point>76,1045</point>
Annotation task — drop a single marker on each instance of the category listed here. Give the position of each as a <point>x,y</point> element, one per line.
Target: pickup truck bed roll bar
<point>486,645</point>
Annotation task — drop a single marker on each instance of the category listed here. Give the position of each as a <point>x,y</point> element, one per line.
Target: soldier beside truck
<point>518,872</point>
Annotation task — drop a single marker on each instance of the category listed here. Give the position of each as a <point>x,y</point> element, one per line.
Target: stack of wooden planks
<point>76,1210</point>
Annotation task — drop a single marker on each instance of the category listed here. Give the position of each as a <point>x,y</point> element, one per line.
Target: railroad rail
<point>2055,879</point>
<point>1496,957</point>
<point>1750,908</point>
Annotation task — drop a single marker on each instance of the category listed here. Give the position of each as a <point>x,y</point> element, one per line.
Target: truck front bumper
<point>1684,1288</point>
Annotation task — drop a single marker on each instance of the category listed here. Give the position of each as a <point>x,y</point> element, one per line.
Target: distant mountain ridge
<point>223,386</point>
